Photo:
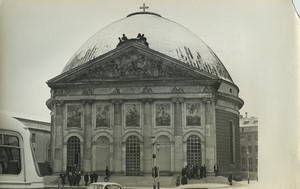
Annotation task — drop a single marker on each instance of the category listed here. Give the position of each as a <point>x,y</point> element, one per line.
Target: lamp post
<point>157,150</point>
<point>248,164</point>
<point>155,169</point>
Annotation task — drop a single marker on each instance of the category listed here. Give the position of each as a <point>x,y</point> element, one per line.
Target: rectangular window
<point>242,138</point>
<point>250,149</point>
<point>250,161</point>
<point>243,149</point>
<point>243,161</point>
<point>255,137</point>
<point>33,136</point>
<point>256,148</point>
<point>249,137</point>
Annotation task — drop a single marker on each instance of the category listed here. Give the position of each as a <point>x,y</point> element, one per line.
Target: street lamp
<point>248,164</point>
<point>157,150</point>
<point>155,169</point>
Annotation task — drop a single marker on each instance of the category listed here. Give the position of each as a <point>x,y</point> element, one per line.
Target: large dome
<point>163,35</point>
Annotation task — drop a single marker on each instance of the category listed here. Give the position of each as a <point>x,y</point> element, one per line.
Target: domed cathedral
<point>139,83</point>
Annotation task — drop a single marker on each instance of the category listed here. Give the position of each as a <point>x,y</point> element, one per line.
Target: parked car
<point>104,185</point>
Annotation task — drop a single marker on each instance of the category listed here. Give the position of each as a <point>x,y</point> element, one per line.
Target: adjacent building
<point>141,81</point>
<point>249,143</point>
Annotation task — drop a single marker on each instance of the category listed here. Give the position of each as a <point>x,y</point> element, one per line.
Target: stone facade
<point>106,112</point>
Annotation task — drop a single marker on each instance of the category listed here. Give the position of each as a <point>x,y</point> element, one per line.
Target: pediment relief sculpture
<point>133,65</point>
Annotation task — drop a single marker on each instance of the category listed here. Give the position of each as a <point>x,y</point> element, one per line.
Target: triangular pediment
<point>131,64</point>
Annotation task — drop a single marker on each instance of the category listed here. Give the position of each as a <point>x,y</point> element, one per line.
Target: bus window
<point>10,157</point>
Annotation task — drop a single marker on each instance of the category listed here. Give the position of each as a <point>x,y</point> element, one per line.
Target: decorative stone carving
<point>88,91</point>
<point>116,91</point>
<point>177,90</point>
<point>89,101</point>
<point>208,89</point>
<point>60,92</point>
<point>131,66</point>
<point>147,90</point>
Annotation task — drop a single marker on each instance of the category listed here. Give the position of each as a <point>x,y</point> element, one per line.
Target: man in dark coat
<point>95,177</point>
<point>230,178</point>
<point>107,173</point>
<point>184,180</point>
<point>92,177</point>
<point>204,171</point>
<point>216,169</point>
<point>86,178</point>
<point>63,178</point>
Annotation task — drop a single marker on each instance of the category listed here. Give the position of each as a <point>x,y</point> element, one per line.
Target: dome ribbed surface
<point>163,35</point>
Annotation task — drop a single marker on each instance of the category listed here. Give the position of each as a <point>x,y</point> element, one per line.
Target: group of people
<point>191,172</point>
<point>73,176</point>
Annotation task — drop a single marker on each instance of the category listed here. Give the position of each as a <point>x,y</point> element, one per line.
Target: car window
<point>107,187</point>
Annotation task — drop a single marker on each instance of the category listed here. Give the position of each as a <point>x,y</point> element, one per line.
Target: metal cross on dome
<point>144,7</point>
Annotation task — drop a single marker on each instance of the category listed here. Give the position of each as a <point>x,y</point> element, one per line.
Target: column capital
<point>210,100</point>
<point>87,101</point>
<point>59,102</point>
<point>177,100</point>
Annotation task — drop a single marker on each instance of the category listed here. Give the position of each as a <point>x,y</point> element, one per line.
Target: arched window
<point>73,151</point>
<point>232,142</point>
<point>194,150</point>
<point>133,156</point>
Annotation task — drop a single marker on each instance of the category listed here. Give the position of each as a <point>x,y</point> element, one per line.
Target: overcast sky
<point>257,41</point>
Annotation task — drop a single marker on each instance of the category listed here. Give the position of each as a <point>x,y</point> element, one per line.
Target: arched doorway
<point>73,151</point>
<point>132,156</point>
<point>194,150</point>
<point>102,153</point>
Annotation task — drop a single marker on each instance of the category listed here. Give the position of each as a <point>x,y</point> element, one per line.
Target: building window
<point>242,139</point>
<point>243,169</point>
<point>132,156</point>
<point>33,136</point>
<point>256,148</point>
<point>246,122</point>
<point>249,137</point>
<point>243,149</point>
<point>73,151</point>
<point>250,149</point>
<point>243,161</point>
<point>194,150</point>
<point>256,137</point>
<point>250,169</point>
<point>232,142</point>
<point>250,161</point>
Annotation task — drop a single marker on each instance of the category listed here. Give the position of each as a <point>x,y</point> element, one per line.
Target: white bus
<point>18,165</point>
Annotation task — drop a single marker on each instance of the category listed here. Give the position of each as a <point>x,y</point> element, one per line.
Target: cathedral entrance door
<point>73,151</point>
<point>132,156</point>
<point>194,150</point>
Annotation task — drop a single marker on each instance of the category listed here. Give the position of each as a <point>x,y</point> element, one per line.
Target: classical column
<point>210,134</point>
<point>147,135</point>
<point>117,155</point>
<point>87,156</point>
<point>178,151</point>
<point>58,137</point>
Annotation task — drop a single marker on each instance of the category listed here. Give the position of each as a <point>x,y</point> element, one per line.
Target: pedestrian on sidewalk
<point>230,179</point>
<point>178,180</point>
<point>59,185</point>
